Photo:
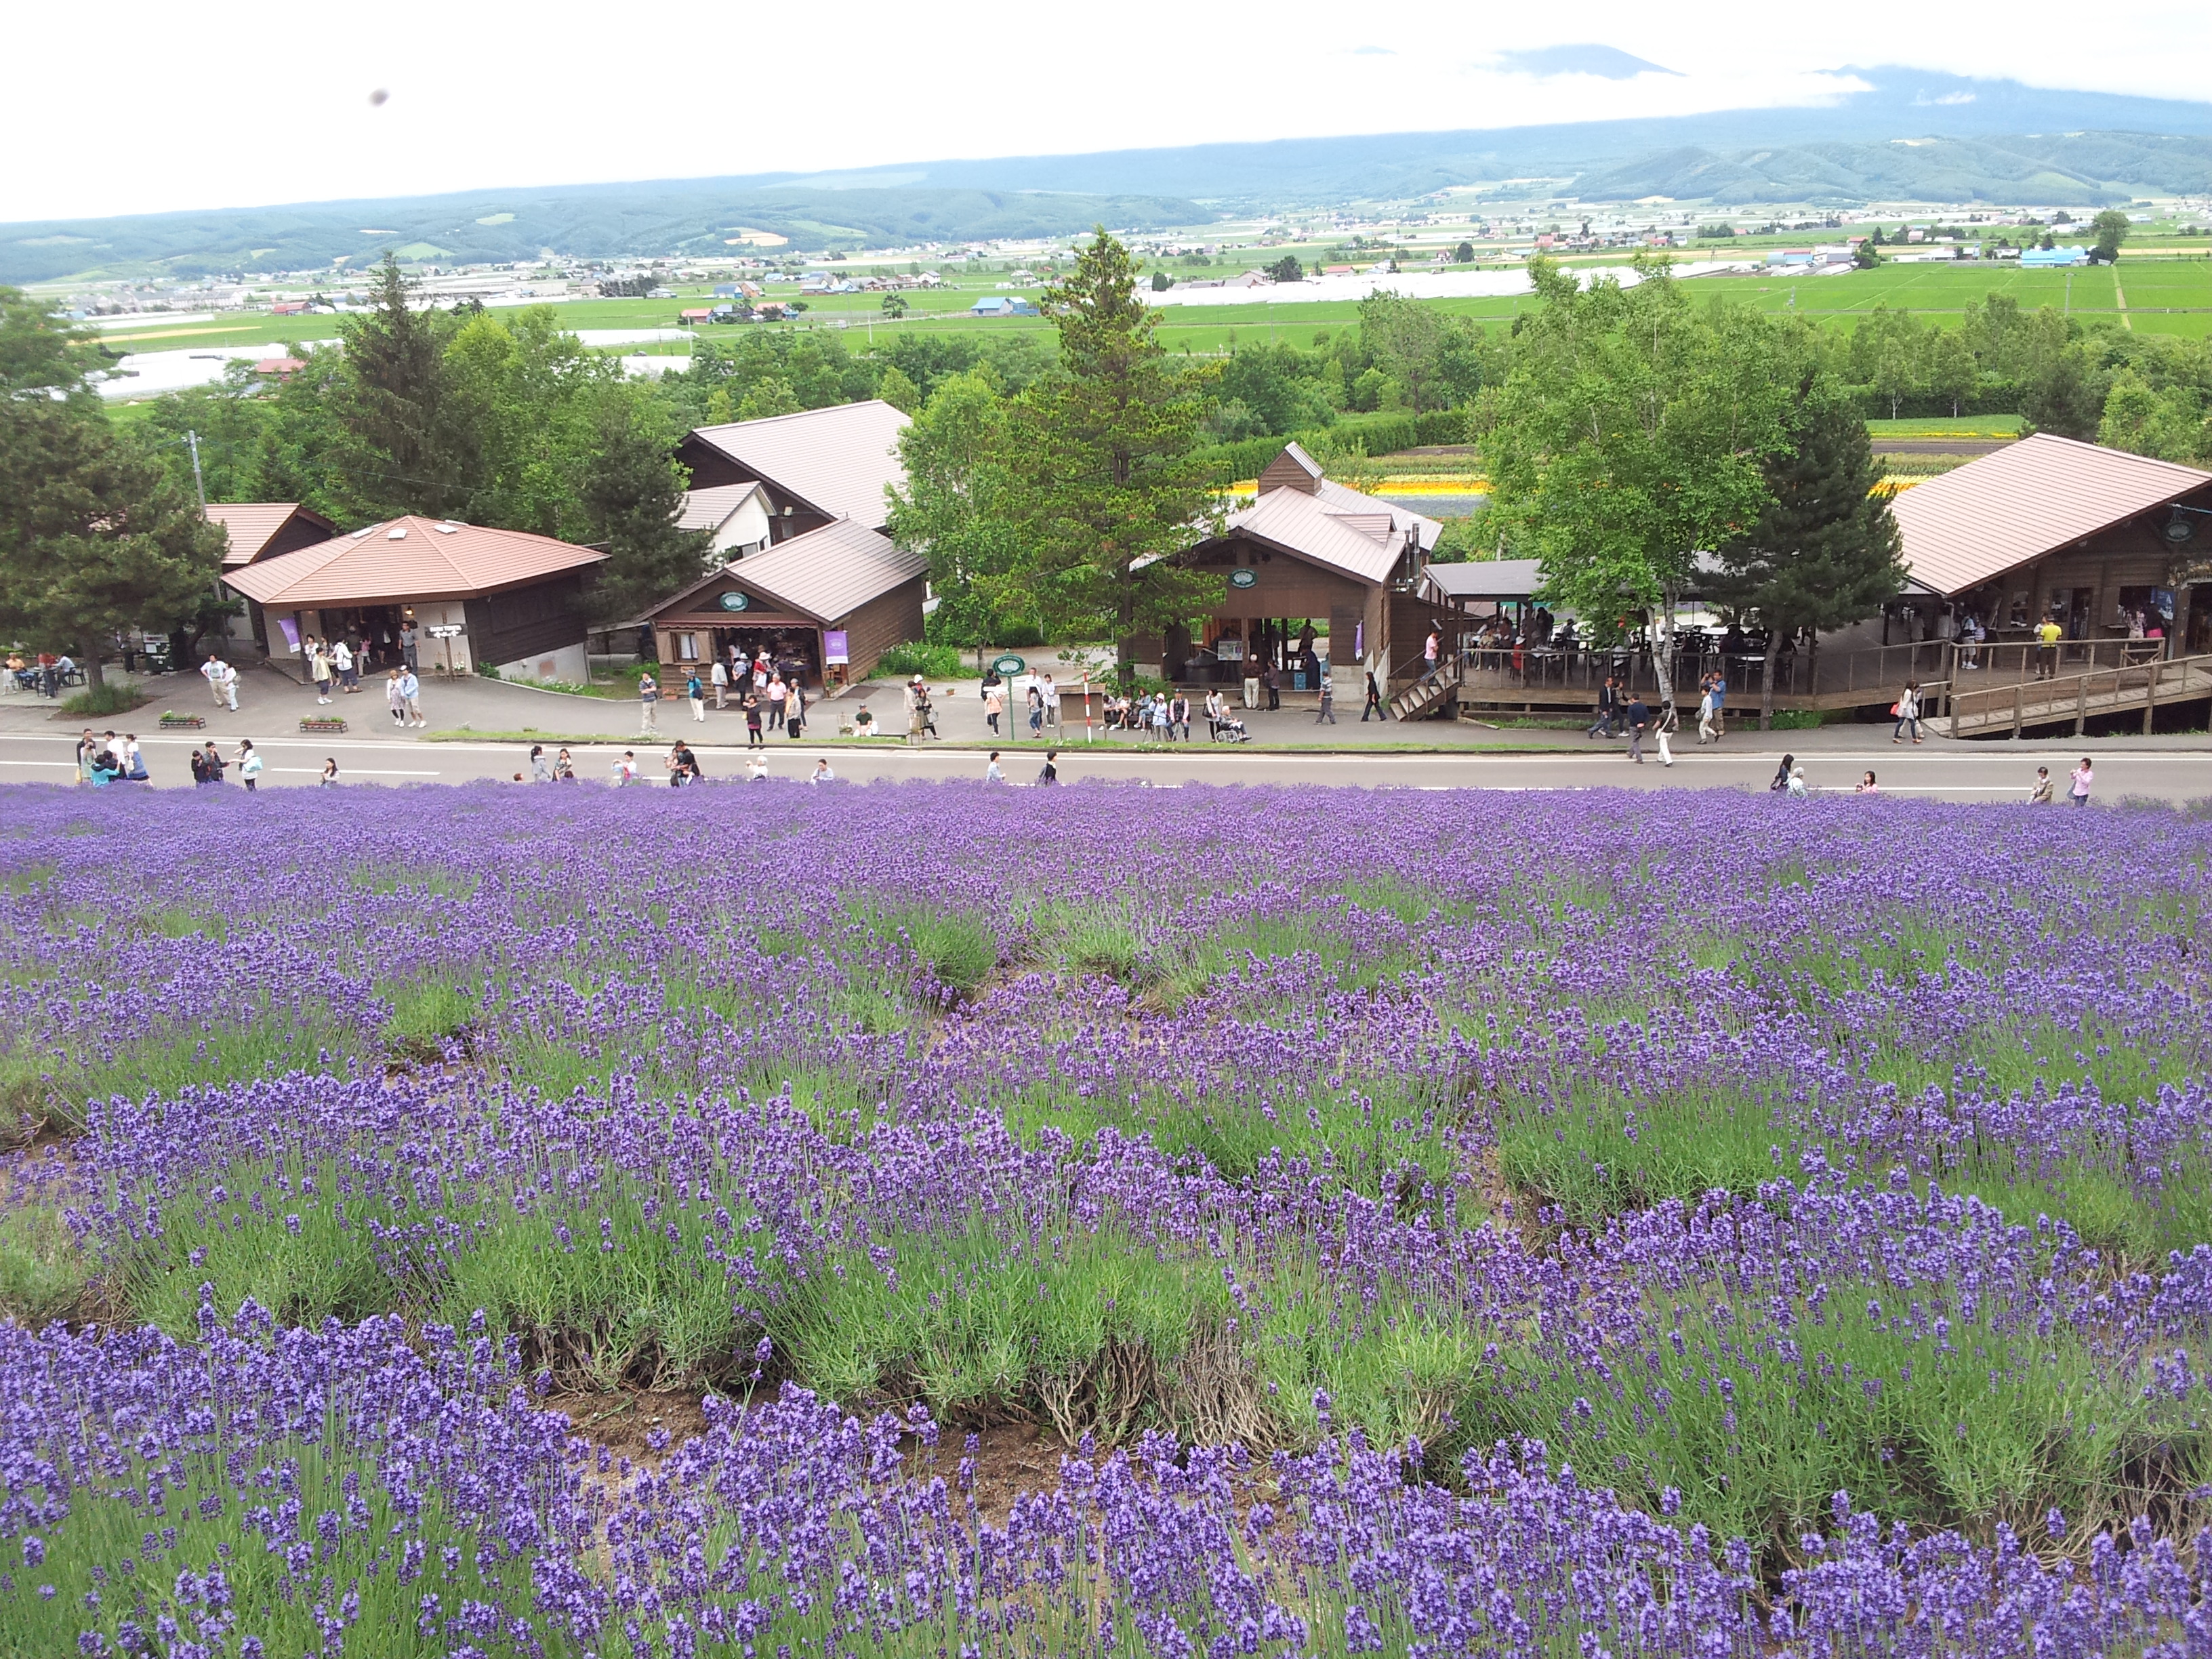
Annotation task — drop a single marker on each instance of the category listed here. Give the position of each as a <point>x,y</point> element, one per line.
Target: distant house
<point>695,315</point>
<point>2054,256</point>
<point>282,367</point>
<point>288,308</point>
<point>813,467</point>
<point>1000,305</point>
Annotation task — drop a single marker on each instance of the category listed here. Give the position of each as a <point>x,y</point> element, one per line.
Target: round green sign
<point>1008,666</point>
<point>1244,578</point>
<point>734,600</point>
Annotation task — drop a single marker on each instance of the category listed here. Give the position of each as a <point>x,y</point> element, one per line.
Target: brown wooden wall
<point>523,622</point>
<point>889,619</point>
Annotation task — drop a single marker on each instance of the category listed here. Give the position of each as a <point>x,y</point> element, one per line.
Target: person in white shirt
<point>993,773</point>
<point>1051,703</point>
<point>228,686</point>
<point>341,659</point>
<point>211,671</point>
<point>822,772</point>
<point>626,768</point>
<point>721,679</point>
<point>410,697</point>
<point>756,769</point>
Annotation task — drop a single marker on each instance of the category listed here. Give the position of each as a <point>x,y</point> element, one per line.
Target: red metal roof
<point>826,575</point>
<point>405,560</point>
<point>2028,499</point>
<point>251,526</point>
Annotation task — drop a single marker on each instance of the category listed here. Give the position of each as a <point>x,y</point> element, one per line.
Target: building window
<point>687,648</point>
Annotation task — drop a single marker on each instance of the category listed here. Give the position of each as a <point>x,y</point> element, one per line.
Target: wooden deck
<point>1976,709</point>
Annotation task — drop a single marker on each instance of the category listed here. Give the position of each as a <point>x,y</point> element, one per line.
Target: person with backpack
<point>695,694</point>
<point>1050,773</point>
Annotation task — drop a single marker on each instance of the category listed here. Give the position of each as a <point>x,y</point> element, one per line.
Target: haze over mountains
<point>1914,136</point>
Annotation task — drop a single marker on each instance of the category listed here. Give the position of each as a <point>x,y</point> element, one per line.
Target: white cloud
<point>219,104</point>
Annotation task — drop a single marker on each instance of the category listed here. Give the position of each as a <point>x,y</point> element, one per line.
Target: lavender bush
<point>1433,1223</point>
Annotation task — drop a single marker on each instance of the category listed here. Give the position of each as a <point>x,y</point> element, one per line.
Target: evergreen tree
<point>956,508</point>
<point>400,438</point>
<point>1103,452</point>
<point>632,494</point>
<point>1824,552</point>
<point>96,538</point>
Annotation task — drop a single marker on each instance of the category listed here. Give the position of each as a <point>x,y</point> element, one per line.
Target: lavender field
<point>1430,1223</point>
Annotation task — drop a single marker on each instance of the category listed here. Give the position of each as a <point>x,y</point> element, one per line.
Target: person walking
<point>776,693</point>
<point>134,763</point>
<point>1720,705</point>
<point>1051,703</point>
<point>1907,710</point>
<point>319,669</point>
<point>1608,707</point>
<point>648,702</point>
<point>1273,677</point>
<point>392,699</point>
<point>1431,655</point>
<point>1179,714</point>
<point>407,644</point>
<point>411,698</point>
<point>721,679</point>
<point>1327,703</point>
<point>994,773</point>
<point>211,671</point>
<point>1050,773</point>
<point>995,705</point>
<point>695,695</point>
<point>1037,712</point>
<point>1375,705</point>
<point>1663,728</point>
<point>753,737</point>
<point>2083,777</point>
<point>249,763</point>
<point>1639,721</point>
<point>342,660</point>
<point>1705,712</point>
<point>330,772</point>
<point>230,687</point>
<point>2040,795</point>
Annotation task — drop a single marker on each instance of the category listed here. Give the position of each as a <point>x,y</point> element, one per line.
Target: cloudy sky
<point>148,107</point>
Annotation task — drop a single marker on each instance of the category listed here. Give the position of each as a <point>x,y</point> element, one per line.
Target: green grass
<point>1961,426</point>
<point>44,1274</point>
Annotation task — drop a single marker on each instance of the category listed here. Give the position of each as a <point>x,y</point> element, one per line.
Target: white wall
<point>746,530</point>
<point>567,663</point>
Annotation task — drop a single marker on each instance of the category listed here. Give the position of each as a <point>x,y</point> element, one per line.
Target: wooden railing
<point>1979,706</point>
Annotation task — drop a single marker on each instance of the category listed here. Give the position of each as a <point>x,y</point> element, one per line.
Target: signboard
<point>1229,650</point>
<point>1244,578</point>
<point>734,600</point>
<point>1006,666</point>
<point>291,633</point>
<point>833,645</point>
<point>445,631</point>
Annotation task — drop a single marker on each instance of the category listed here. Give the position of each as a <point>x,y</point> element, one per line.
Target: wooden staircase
<point>1427,697</point>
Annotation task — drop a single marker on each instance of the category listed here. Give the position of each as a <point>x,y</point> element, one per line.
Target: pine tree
<point>632,494</point>
<point>1107,486</point>
<point>1825,551</point>
<point>401,445</point>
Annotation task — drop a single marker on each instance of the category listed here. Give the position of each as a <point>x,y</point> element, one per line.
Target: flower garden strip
<point>1478,1223</point>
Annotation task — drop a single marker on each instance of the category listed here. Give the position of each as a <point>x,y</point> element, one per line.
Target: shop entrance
<point>790,650</point>
<point>372,629</point>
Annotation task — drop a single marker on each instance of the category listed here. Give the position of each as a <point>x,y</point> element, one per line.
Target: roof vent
<point>396,535</point>
<point>445,529</point>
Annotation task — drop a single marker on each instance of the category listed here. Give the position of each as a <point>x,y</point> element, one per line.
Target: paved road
<point>1954,772</point>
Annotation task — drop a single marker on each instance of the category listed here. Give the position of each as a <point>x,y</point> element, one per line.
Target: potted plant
<point>323,723</point>
<point>171,720</point>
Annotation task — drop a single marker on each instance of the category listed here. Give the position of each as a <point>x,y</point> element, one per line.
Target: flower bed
<point>1651,1226</point>
<point>175,722</point>
<point>322,723</point>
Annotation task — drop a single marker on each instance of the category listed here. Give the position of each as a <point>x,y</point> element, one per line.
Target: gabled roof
<point>251,526</point>
<point>826,573</point>
<point>838,461</point>
<point>2028,499</point>
<point>407,559</point>
<point>1363,542</point>
<point>710,508</point>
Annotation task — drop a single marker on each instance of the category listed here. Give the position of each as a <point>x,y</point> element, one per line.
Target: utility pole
<point>198,483</point>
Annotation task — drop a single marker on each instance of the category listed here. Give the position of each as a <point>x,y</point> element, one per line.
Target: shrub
<point>108,697</point>
<point>932,662</point>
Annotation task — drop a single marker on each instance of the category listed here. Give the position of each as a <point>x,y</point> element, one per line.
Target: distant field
<point>1966,426</point>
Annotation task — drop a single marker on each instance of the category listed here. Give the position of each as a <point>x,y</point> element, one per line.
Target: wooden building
<point>514,601</point>
<point>813,468</point>
<point>831,603</point>
<point>262,530</point>
<point>2075,532</point>
<point>1310,553</point>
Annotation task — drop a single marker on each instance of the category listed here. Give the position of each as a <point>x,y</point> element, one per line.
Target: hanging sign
<point>833,645</point>
<point>1244,578</point>
<point>734,600</point>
